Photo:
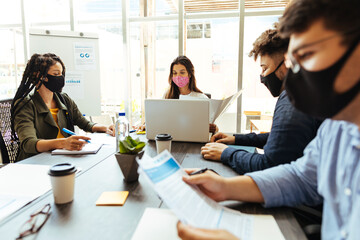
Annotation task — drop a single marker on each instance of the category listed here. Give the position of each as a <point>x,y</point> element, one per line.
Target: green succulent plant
<point>131,146</point>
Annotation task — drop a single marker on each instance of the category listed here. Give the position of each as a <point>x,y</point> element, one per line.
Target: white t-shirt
<point>192,94</point>
<point>195,94</point>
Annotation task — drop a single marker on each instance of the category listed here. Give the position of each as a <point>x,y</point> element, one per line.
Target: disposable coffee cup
<point>62,178</point>
<point>163,141</point>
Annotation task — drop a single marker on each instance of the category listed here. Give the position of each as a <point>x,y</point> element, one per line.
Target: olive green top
<point>34,122</point>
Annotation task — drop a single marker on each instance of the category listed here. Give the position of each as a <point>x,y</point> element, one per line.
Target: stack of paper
<point>160,224</point>
<point>20,184</point>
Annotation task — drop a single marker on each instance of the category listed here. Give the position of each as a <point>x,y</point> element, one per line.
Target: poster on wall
<point>84,54</point>
<point>74,84</point>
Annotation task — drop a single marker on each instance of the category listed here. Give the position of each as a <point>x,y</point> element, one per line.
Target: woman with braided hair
<point>40,111</point>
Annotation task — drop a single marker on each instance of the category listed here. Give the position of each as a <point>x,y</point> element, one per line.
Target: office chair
<point>9,147</point>
<point>310,219</point>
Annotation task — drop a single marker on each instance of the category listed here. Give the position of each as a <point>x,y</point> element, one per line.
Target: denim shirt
<point>291,132</point>
<point>329,170</point>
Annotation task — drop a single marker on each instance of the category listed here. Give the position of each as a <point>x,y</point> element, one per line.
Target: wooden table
<point>81,219</point>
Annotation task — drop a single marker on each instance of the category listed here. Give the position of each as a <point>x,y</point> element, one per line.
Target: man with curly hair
<point>291,131</point>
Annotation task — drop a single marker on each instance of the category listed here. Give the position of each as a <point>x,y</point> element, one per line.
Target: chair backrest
<point>9,147</point>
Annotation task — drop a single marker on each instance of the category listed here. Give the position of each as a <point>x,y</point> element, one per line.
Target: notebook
<point>90,148</point>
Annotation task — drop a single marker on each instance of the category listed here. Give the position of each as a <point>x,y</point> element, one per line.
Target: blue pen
<point>72,133</point>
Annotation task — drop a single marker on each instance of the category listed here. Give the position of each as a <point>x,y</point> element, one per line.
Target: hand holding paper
<point>188,202</point>
<point>209,182</point>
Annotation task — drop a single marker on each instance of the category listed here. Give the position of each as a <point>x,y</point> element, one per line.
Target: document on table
<point>21,184</point>
<point>89,148</point>
<point>102,138</point>
<point>217,106</point>
<point>188,203</point>
<point>160,224</point>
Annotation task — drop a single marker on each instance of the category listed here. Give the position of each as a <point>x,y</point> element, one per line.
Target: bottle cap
<point>163,137</point>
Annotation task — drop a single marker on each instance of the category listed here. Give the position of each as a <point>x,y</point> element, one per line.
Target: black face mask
<point>313,92</point>
<point>272,82</point>
<point>55,83</point>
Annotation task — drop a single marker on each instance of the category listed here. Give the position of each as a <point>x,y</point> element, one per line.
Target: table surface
<point>81,219</point>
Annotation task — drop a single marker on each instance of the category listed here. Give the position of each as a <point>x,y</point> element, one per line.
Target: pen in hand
<point>72,133</point>
<point>202,171</point>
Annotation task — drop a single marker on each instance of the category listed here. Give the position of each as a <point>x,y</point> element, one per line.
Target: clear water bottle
<point>121,129</point>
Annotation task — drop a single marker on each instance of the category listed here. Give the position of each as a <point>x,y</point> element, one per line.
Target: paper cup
<point>163,141</point>
<point>62,178</point>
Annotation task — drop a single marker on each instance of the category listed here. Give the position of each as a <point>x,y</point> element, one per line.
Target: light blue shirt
<point>329,171</point>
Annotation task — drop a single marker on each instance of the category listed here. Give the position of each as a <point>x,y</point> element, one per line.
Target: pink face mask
<point>180,81</point>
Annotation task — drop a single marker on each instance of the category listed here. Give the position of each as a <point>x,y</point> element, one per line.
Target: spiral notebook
<point>90,148</point>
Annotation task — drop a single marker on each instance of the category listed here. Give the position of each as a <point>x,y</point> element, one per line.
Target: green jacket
<point>34,122</point>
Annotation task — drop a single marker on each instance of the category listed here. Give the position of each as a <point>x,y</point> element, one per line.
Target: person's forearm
<point>251,139</point>
<point>99,128</point>
<point>244,162</point>
<point>48,145</point>
<point>243,188</point>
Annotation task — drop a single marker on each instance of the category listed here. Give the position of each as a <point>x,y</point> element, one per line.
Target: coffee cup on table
<point>163,141</point>
<point>62,178</point>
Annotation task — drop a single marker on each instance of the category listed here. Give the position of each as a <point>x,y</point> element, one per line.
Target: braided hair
<point>35,72</point>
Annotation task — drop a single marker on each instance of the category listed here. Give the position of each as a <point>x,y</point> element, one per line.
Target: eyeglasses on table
<point>36,221</point>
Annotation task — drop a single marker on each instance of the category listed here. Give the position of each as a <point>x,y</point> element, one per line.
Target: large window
<point>136,50</point>
<point>48,12</point>
<point>153,46</point>
<point>212,45</point>
<point>256,97</point>
<point>11,61</point>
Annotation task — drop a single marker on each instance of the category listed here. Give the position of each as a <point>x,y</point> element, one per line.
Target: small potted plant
<point>129,149</point>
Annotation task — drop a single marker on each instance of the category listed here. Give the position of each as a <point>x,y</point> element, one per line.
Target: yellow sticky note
<point>117,198</point>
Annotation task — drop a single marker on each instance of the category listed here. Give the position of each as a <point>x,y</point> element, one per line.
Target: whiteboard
<point>80,53</point>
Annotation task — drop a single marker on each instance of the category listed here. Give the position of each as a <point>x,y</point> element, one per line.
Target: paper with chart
<point>217,107</point>
<point>188,203</point>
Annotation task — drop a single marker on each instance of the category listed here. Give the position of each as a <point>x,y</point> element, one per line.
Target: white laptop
<point>185,120</point>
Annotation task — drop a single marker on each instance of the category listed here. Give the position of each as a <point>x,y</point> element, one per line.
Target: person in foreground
<point>39,116</point>
<point>324,81</point>
<point>291,130</point>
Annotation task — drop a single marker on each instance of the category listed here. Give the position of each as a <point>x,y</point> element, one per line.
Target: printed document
<point>217,107</point>
<point>160,224</point>
<point>188,203</point>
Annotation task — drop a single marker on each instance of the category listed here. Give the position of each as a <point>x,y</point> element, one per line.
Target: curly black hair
<point>269,43</point>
